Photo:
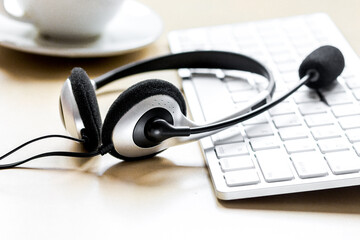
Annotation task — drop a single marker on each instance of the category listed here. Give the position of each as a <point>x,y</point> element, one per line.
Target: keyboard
<point>310,141</point>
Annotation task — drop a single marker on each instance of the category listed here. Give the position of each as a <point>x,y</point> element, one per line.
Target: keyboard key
<point>236,163</point>
<point>290,77</point>
<point>356,146</point>
<point>243,96</point>
<point>333,145</point>
<point>318,120</point>
<point>335,87</point>
<point>305,97</point>
<point>353,83</point>
<point>262,143</point>
<point>241,177</point>
<point>356,94</point>
<point>281,109</point>
<point>274,165</point>
<point>337,98</point>
<point>343,162</point>
<point>286,66</point>
<point>283,57</point>
<point>259,119</point>
<point>231,149</point>
<point>293,133</point>
<point>309,164</point>
<point>286,121</point>
<point>347,73</point>
<point>235,85</point>
<point>229,135</point>
<point>299,145</point>
<point>345,110</point>
<point>324,132</point>
<point>259,130</point>
<point>350,122</point>
<point>312,108</point>
<point>353,135</point>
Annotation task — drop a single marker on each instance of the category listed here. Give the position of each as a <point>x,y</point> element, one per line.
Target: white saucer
<point>134,27</point>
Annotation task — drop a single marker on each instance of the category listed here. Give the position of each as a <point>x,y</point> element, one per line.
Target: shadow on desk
<point>22,66</point>
<point>156,171</point>
<point>341,200</point>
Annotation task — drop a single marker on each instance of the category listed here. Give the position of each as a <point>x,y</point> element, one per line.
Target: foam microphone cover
<point>327,61</point>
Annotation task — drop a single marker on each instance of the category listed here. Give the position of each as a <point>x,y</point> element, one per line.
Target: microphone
<point>318,70</point>
<point>327,62</point>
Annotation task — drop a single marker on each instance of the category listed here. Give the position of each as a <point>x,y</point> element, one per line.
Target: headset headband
<point>199,59</point>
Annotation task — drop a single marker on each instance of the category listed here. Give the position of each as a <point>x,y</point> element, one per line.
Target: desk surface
<point>166,197</point>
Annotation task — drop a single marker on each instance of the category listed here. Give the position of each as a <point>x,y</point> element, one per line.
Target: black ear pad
<point>132,96</point>
<point>86,101</point>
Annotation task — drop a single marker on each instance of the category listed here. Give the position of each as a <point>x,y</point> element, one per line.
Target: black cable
<point>101,150</point>
<point>49,154</point>
<point>38,139</point>
<point>233,121</point>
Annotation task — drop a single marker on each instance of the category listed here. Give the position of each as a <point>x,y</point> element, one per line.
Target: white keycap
<point>286,121</point>
<point>343,162</point>
<point>337,98</point>
<point>335,87</point>
<point>231,149</point>
<point>290,77</point>
<point>241,177</point>
<point>305,97</point>
<point>229,135</point>
<point>356,146</point>
<point>287,67</point>
<point>347,73</point>
<point>259,119</point>
<point>353,135</point>
<point>236,163</point>
<point>259,130</point>
<point>279,93</point>
<point>356,94</point>
<point>282,108</point>
<point>238,85</point>
<point>333,145</point>
<point>299,145</point>
<point>283,57</point>
<point>262,143</point>
<point>274,165</point>
<point>324,132</point>
<point>309,164</point>
<point>345,110</point>
<point>243,96</point>
<point>318,120</point>
<point>292,133</point>
<point>313,108</point>
<point>353,83</point>
<point>350,122</point>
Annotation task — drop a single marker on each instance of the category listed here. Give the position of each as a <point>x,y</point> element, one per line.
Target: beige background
<point>167,197</point>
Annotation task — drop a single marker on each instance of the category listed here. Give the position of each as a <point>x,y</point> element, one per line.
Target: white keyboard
<point>310,141</point>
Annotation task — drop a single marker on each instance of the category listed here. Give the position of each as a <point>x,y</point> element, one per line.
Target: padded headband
<point>198,59</point>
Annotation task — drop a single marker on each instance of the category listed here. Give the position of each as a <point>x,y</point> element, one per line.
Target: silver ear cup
<point>123,133</point>
<point>69,111</point>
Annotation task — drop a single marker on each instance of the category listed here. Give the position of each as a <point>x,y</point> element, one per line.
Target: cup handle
<point>5,12</point>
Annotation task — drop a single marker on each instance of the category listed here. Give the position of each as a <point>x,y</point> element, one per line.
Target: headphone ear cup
<point>133,96</point>
<point>85,97</point>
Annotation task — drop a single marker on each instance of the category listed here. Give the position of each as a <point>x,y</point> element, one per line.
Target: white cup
<point>63,19</point>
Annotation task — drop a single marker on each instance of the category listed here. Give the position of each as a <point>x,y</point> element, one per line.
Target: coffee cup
<point>63,19</point>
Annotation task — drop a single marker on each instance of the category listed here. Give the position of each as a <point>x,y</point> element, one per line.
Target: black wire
<point>49,154</point>
<point>38,139</point>
<point>230,122</point>
<point>101,150</point>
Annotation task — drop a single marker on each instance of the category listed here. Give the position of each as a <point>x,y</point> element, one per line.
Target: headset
<point>150,116</point>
